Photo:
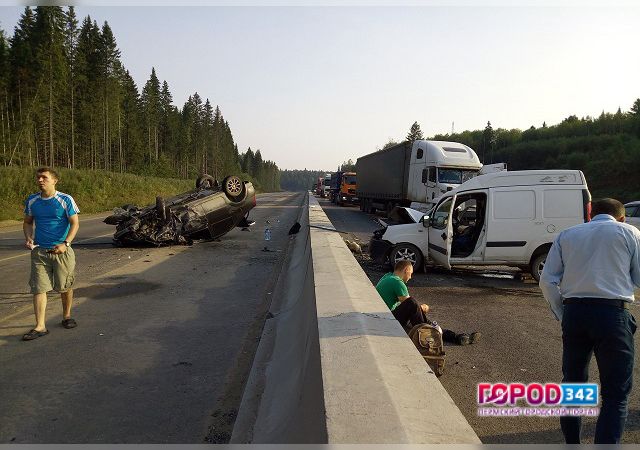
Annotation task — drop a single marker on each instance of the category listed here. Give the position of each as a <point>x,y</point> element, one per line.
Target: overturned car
<point>209,211</point>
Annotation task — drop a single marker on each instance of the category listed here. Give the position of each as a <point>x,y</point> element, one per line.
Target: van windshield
<point>455,176</point>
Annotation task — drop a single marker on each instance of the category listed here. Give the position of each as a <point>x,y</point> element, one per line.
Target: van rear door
<point>441,232</point>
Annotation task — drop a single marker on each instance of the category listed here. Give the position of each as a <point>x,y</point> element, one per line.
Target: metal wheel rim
<point>540,267</point>
<point>405,253</point>
<point>234,186</point>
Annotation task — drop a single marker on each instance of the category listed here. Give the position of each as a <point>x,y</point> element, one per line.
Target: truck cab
<point>347,185</point>
<point>438,167</point>
<point>326,186</point>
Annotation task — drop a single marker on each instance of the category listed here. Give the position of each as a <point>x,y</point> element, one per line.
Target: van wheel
<point>408,252</point>
<point>537,264</point>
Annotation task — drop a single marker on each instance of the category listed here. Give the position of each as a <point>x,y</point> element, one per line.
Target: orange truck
<point>343,188</point>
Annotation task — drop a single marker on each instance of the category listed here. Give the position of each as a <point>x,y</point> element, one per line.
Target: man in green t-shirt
<point>392,287</point>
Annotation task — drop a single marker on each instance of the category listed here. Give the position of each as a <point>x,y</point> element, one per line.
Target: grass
<point>93,190</point>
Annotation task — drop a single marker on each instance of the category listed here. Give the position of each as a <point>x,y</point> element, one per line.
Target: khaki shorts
<point>49,271</point>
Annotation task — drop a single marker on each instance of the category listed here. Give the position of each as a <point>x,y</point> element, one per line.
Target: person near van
<point>589,279</point>
<point>392,287</point>
<point>55,216</point>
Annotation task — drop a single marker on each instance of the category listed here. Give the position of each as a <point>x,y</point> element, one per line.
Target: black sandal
<point>69,323</point>
<point>34,334</point>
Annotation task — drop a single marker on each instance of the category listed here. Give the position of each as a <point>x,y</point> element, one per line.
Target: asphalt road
<point>165,336</point>
<point>521,341</point>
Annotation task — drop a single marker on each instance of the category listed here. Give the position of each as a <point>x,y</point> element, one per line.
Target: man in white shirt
<point>589,279</point>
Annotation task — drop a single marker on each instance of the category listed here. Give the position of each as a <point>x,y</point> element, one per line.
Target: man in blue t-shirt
<point>55,216</point>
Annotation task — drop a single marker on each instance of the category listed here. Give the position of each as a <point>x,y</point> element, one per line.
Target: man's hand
<point>29,243</point>
<point>59,249</point>
<point>425,308</point>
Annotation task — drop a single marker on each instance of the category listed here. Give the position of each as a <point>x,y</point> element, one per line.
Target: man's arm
<point>74,224</point>
<point>635,259</point>
<point>551,277</point>
<point>27,229</point>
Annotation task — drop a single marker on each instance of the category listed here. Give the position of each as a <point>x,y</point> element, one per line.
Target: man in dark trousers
<point>588,279</point>
<point>392,287</point>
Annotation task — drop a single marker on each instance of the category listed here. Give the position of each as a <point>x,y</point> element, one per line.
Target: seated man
<point>392,288</point>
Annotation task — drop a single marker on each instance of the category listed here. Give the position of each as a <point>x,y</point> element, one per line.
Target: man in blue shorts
<point>55,216</point>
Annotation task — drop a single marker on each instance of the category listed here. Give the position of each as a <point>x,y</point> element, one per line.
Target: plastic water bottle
<point>267,234</point>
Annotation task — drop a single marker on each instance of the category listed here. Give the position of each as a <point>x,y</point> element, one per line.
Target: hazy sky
<point>313,86</point>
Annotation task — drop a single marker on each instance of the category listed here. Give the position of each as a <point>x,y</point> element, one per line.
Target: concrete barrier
<point>333,365</point>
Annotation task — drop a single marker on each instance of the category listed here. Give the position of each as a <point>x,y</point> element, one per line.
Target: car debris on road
<point>208,212</point>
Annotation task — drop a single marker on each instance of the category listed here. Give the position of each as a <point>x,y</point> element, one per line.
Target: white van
<point>503,218</point>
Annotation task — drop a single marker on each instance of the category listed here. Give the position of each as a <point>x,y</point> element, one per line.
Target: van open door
<point>441,232</point>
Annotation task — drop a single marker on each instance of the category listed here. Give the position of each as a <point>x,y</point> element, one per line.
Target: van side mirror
<point>425,221</point>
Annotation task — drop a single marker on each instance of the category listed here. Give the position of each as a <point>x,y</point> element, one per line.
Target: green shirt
<point>390,287</point>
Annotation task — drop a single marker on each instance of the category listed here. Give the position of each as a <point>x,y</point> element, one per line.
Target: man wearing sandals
<point>392,287</point>
<point>55,216</point>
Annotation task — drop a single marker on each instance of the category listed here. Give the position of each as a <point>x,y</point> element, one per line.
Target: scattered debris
<point>353,246</point>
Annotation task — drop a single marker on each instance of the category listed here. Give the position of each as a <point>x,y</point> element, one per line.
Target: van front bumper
<point>379,250</point>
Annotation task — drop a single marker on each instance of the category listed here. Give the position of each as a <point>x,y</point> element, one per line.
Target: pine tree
<point>415,133</point>
<point>4,100</point>
<point>151,105</point>
<point>53,69</point>
<point>488,140</point>
<point>70,46</point>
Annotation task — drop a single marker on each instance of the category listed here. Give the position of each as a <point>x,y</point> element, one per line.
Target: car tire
<point>234,188</point>
<point>205,181</point>
<point>537,265</point>
<point>406,251</point>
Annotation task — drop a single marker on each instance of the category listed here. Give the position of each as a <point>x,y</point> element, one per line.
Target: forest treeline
<point>66,100</point>
<point>606,149</point>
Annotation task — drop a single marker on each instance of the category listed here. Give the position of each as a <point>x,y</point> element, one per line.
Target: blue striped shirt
<point>597,259</point>
<point>51,217</point>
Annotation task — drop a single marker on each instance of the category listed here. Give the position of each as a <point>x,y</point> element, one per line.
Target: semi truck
<point>326,185</point>
<point>414,174</point>
<point>343,188</point>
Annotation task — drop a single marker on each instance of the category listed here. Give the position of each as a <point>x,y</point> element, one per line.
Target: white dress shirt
<point>597,259</point>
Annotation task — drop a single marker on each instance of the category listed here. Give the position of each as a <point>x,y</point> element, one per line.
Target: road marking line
<point>18,226</point>
<point>78,242</point>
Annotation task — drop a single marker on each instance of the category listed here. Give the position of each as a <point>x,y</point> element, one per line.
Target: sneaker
<point>474,337</point>
<point>463,339</point>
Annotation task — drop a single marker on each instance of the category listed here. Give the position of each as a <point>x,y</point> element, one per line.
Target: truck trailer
<point>413,174</point>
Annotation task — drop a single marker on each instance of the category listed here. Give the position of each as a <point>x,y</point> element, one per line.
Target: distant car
<point>632,213</point>
<point>208,212</point>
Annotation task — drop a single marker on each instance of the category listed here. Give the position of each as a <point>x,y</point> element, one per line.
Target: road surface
<point>164,342</point>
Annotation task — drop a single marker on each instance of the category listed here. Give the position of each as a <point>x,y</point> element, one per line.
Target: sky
<point>313,86</point>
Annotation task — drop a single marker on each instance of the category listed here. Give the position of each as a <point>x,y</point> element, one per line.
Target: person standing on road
<point>588,279</point>
<point>392,287</point>
<point>55,216</point>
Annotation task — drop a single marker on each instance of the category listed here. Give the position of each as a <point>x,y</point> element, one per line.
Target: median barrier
<point>333,365</point>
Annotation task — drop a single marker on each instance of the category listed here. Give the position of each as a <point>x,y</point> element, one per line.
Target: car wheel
<point>537,265</point>
<point>408,252</point>
<point>233,187</point>
<point>205,181</point>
